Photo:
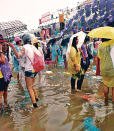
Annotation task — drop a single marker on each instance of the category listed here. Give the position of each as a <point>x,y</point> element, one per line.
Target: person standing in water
<point>18,46</point>
<point>74,60</point>
<point>5,74</point>
<point>55,52</point>
<point>28,51</point>
<point>106,56</point>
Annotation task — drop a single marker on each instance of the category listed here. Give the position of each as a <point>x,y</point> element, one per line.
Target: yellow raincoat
<point>107,80</point>
<point>1,75</point>
<point>74,58</point>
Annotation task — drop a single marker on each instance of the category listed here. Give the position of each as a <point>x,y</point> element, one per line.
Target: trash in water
<point>27,94</point>
<point>43,70</point>
<point>94,77</point>
<point>67,73</point>
<point>9,89</point>
<point>89,125</point>
<point>67,104</point>
<point>94,67</point>
<point>99,77</point>
<point>88,93</point>
<point>88,97</point>
<point>90,83</point>
<point>97,105</point>
<point>87,77</point>
<point>49,72</point>
<point>13,82</point>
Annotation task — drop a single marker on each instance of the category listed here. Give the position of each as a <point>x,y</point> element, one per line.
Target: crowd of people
<point>75,59</point>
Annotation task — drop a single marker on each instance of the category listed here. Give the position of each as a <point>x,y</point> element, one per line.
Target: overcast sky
<point>29,11</point>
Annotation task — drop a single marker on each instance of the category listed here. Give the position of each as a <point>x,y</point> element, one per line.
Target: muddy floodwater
<point>58,109</point>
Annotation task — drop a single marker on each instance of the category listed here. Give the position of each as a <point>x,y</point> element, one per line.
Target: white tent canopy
<point>10,28</point>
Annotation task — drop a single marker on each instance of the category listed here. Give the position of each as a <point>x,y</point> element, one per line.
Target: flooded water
<point>58,109</point>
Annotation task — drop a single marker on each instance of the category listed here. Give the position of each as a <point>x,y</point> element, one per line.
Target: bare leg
<point>5,95</point>
<point>1,94</point>
<point>106,91</point>
<point>18,77</point>
<point>56,61</point>
<point>34,90</point>
<point>113,94</point>
<point>29,84</point>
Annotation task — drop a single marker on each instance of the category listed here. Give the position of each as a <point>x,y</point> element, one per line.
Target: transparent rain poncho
<point>106,55</point>
<point>107,67</point>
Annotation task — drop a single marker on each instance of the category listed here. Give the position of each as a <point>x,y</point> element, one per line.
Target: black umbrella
<point>65,41</point>
<point>53,40</point>
<point>50,42</point>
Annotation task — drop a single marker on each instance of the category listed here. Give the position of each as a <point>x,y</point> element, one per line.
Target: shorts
<point>30,74</point>
<point>3,84</point>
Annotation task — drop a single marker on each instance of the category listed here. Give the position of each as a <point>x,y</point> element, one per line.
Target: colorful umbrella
<point>102,32</point>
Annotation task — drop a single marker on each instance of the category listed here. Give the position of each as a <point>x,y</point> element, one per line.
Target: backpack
<point>107,67</point>
<point>38,62</point>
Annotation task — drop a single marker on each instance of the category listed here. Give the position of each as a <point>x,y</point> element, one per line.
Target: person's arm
<point>84,53</point>
<point>2,56</point>
<point>73,58</point>
<point>18,55</point>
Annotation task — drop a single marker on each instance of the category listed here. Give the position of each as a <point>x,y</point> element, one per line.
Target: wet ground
<point>58,109</point>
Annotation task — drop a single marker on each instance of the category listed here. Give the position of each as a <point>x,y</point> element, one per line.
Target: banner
<point>61,18</point>
<point>45,17</point>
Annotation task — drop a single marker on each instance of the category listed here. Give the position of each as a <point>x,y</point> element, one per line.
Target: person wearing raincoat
<point>85,62</point>
<point>74,60</point>
<point>106,56</point>
<point>55,52</point>
<point>18,47</point>
<point>37,44</point>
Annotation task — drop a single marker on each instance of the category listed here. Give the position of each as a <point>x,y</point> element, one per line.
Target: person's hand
<point>77,68</point>
<point>79,49</point>
<point>11,45</point>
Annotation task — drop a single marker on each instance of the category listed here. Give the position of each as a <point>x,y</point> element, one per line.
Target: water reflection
<point>58,109</point>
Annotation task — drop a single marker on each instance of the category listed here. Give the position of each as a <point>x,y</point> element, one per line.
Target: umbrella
<point>65,41</point>
<point>102,32</point>
<point>52,40</point>
<point>81,37</point>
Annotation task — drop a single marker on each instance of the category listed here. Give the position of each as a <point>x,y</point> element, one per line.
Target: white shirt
<point>28,53</point>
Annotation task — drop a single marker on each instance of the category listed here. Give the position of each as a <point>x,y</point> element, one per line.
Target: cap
<point>17,39</point>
